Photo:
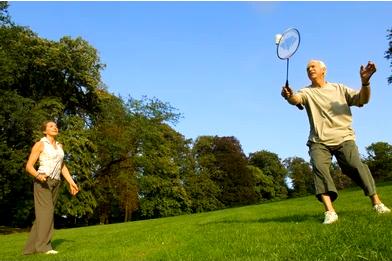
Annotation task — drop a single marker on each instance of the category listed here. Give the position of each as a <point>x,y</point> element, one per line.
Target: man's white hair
<point>322,64</point>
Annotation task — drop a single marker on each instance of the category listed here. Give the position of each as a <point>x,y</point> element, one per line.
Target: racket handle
<point>299,106</point>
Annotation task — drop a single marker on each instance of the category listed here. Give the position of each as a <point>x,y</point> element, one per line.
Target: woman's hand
<point>73,189</point>
<point>41,177</point>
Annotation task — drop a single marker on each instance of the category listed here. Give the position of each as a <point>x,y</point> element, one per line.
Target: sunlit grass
<point>285,230</point>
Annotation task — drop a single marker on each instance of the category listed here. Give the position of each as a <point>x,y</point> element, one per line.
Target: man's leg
<point>326,199</point>
<point>325,188</point>
<point>330,214</point>
<point>351,164</point>
<point>320,158</point>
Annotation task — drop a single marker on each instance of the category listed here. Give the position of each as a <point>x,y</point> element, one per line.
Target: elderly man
<point>331,133</point>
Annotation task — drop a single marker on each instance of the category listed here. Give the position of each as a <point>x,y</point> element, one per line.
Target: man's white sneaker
<point>51,252</point>
<point>381,208</point>
<point>330,217</point>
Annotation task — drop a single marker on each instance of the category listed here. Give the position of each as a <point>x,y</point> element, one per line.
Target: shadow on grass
<point>57,242</point>
<point>291,219</point>
<point>281,219</point>
<point>10,230</point>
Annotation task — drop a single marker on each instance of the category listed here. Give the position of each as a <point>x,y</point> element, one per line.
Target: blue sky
<point>216,61</point>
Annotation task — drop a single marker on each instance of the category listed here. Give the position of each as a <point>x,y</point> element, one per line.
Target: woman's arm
<point>73,188</point>
<point>34,155</point>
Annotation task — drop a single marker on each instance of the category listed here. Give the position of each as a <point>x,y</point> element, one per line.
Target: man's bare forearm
<point>364,93</point>
<point>294,99</point>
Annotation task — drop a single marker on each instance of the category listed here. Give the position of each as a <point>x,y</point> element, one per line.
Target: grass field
<point>285,230</point>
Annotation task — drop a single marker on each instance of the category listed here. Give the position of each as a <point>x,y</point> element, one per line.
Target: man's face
<point>315,71</point>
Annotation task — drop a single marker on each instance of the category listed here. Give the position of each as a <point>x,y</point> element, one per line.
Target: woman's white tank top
<point>51,159</point>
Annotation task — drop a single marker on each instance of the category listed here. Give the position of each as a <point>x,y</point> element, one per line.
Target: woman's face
<point>51,129</point>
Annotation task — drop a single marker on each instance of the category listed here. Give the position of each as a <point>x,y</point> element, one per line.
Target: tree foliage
<point>379,160</point>
<point>388,53</point>
<point>340,179</point>
<point>233,177</point>
<point>270,164</point>
<point>5,18</point>
<point>205,193</point>
<point>300,173</point>
<point>160,160</point>
<point>221,167</point>
<point>39,80</point>
<point>115,176</point>
<point>127,158</point>
<point>264,185</point>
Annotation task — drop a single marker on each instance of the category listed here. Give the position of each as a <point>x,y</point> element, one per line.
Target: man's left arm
<point>366,73</point>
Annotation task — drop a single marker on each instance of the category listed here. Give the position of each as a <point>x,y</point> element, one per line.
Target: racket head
<point>288,44</point>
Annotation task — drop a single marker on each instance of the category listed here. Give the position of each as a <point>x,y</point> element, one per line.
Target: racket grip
<point>299,106</point>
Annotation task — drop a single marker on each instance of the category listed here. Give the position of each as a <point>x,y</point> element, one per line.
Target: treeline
<point>127,159</point>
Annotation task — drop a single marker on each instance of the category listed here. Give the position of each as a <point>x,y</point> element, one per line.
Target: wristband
<point>366,85</point>
<point>37,175</point>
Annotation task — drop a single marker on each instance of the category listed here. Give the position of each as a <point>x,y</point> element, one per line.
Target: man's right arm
<point>290,96</point>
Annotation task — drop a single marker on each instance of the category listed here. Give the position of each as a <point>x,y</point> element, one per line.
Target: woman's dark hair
<point>43,125</point>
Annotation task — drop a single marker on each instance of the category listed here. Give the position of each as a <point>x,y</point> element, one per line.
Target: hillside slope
<point>285,230</point>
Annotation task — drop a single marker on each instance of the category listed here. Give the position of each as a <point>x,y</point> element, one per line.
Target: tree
<point>161,159</point>
<point>115,175</point>
<point>388,53</point>
<point>264,185</point>
<point>40,80</point>
<point>159,165</point>
<point>301,175</point>
<point>80,154</point>
<point>15,141</point>
<point>222,161</point>
<point>234,178</point>
<point>203,191</point>
<point>270,164</point>
<point>38,68</point>
<point>5,18</point>
<point>379,160</point>
<point>341,180</point>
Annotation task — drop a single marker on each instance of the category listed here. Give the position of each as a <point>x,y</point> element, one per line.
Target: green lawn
<point>285,230</point>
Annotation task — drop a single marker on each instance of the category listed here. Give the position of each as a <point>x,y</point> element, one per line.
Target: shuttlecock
<point>277,38</point>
